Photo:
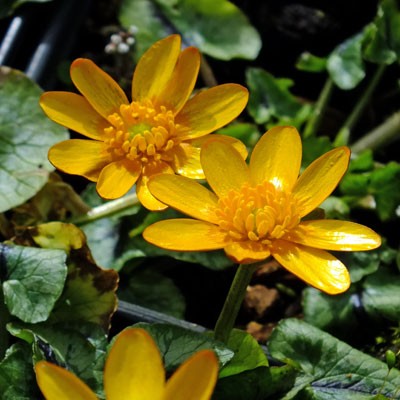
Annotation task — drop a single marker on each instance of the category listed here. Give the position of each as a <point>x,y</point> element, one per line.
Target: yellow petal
<point>246,252</point>
<point>57,383</point>
<point>195,379</point>
<point>223,167</point>
<point>134,368</point>
<point>185,235</point>
<point>185,195</point>
<point>74,112</point>
<point>80,157</point>
<point>320,179</point>
<point>314,266</point>
<point>181,84</point>
<point>277,157</point>
<point>211,109</point>
<point>186,161</point>
<point>335,235</point>
<point>117,178</point>
<point>155,68</point>
<point>142,190</point>
<point>100,90</point>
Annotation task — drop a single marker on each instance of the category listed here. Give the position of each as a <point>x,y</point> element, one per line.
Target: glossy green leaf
<point>206,24</point>
<point>34,280</point>
<point>330,369</point>
<point>310,63</point>
<point>176,344</point>
<point>26,135</point>
<point>345,64</point>
<point>248,354</point>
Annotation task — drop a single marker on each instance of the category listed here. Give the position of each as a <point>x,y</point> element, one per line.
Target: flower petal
<point>186,161</point>
<point>142,190</point>
<point>334,235</point>
<point>195,379</point>
<point>181,84</point>
<point>155,68</point>
<point>117,178</point>
<point>211,109</point>
<point>320,179</point>
<point>80,157</point>
<point>74,112</point>
<point>185,195</point>
<point>57,383</point>
<point>277,157</point>
<point>100,90</point>
<point>314,266</point>
<point>246,252</point>
<point>185,235</point>
<point>223,167</point>
<point>134,368</point>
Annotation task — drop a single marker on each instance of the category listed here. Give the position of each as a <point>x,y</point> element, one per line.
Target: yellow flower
<point>134,371</point>
<point>160,131</point>
<point>257,210</point>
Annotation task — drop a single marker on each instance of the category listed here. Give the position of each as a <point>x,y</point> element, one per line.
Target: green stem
<point>319,108</point>
<point>4,319</point>
<point>233,301</point>
<point>381,136</point>
<point>106,209</point>
<point>343,136</point>
<point>207,73</point>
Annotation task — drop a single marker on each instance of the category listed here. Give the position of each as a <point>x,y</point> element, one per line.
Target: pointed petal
<point>185,195</point>
<point>223,167</point>
<point>314,266</point>
<point>277,157</point>
<point>57,383</point>
<point>134,368</point>
<point>246,252</point>
<point>142,190</point>
<point>155,68</point>
<point>185,235</point>
<point>334,235</point>
<point>80,157</point>
<point>100,90</point>
<point>211,109</point>
<point>74,112</point>
<point>117,178</point>
<point>195,379</point>
<point>181,84</point>
<point>320,179</point>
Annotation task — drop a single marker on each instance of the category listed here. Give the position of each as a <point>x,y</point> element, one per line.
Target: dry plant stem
<point>319,108</point>
<point>206,73</point>
<point>233,301</point>
<point>106,209</point>
<point>343,136</point>
<point>381,136</point>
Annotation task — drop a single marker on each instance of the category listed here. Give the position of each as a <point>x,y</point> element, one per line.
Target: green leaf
<point>355,184</point>
<point>176,344</point>
<point>34,281</point>
<point>270,97</point>
<point>17,379</point>
<point>314,147</point>
<point>25,137</point>
<point>245,132</point>
<point>206,24</point>
<point>330,369</point>
<point>151,289</point>
<point>362,161</point>
<point>362,263</point>
<point>248,354</point>
<point>79,347</point>
<point>310,63</point>
<point>345,64</point>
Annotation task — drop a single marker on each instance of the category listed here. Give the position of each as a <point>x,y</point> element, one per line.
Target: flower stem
<point>343,136</point>
<point>4,319</point>
<point>315,120</point>
<point>233,301</point>
<point>106,209</point>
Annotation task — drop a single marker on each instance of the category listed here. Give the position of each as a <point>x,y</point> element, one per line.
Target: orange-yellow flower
<point>160,131</point>
<point>257,210</point>
<point>134,371</point>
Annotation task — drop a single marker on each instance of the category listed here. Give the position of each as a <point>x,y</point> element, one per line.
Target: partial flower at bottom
<point>257,210</point>
<point>159,131</point>
<point>134,371</point>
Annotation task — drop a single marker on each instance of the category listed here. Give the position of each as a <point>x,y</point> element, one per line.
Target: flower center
<point>259,214</point>
<point>142,132</point>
